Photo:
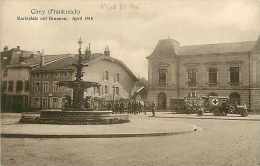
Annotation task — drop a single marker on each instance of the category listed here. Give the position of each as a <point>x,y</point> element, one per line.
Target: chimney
<point>18,48</point>
<point>42,62</point>
<point>5,48</point>
<point>107,52</point>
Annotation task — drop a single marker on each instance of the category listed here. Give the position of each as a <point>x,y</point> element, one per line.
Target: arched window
<point>117,77</point>
<point>235,98</point>
<point>106,75</point>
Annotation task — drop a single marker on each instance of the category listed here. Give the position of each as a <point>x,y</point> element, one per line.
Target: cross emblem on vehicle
<point>215,101</point>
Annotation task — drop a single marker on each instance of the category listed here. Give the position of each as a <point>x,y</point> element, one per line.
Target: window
<point>36,102</point>
<point>213,76</point>
<point>37,75</point>
<point>106,89</point>
<point>10,86</point>
<point>44,102</point>
<point>94,90</point>
<point>192,77</point>
<point>162,77</point>
<point>5,73</point>
<point>55,86</point>
<point>55,102</point>
<point>117,90</point>
<point>19,86</point>
<point>26,86</point>
<point>234,75</point>
<point>36,87</point>
<point>106,75</point>
<point>117,77</point>
<point>45,86</point>
<point>4,86</point>
<point>98,90</point>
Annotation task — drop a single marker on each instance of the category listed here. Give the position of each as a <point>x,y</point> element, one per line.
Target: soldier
<point>139,107</point>
<point>129,107</point>
<point>144,108</point>
<point>122,107</point>
<point>117,107</point>
<point>153,109</point>
<point>135,107</point>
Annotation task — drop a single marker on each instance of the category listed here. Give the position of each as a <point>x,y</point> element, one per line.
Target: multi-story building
<point>16,56</point>
<point>224,69</point>
<point>115,78</point>
<point>15,77</point>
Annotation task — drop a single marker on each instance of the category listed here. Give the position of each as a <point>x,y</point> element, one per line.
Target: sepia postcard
<point>130,82</point>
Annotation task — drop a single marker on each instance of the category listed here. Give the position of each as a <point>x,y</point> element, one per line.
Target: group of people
<point>131,107</point>
<point>118,106</point>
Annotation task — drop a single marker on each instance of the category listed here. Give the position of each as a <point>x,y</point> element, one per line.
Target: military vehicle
<point>221,106</point>
<point>218,105</point>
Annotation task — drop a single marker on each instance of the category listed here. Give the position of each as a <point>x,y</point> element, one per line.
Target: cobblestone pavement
<point>219,143</point>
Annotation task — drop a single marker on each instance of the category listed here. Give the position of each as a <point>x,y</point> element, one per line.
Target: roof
<point>34,62</point>
<point>165,47</point>
<point>219,48</point>
<point>122,64</point>
<point>169,47</point>
<point>64,63</point>
<point>257,46</point>
<point>67,63</point>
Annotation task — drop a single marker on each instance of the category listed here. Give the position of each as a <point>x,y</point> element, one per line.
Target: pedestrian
<point>153,109</point>
<point>129,107</point>
<point>139,107</point>
<point>135,107</point>
<point>122,107</point>
<point>144,108</point>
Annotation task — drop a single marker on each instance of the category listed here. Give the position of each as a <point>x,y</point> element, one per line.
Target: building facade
<point>223,69</point>
<point>115,79</point>
<point>15,77</point>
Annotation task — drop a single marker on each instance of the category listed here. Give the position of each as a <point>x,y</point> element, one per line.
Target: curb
<point>210,118</point>
<point>13,135</point>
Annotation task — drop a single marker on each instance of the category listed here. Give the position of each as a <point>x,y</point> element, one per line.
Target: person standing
<point>122,107</point>
<point>153,109</point>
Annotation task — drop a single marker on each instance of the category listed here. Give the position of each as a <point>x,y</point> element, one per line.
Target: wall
<point>95,72</point>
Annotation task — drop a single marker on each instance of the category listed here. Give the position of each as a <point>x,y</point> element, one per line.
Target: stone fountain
<point>77,113</point>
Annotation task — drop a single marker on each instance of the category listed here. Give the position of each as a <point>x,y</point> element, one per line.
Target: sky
<point>131,29</point>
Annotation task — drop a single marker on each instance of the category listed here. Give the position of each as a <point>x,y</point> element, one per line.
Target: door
<point>162,101</point>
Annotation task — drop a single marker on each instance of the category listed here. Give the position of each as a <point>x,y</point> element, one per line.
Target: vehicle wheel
<point>200,112</point>
<point>232,109</point>
<point>216,112</point>
<point>244,113</point>
<point>224,113</point>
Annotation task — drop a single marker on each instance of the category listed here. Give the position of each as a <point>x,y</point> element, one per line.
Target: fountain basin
<point>79,117</point>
